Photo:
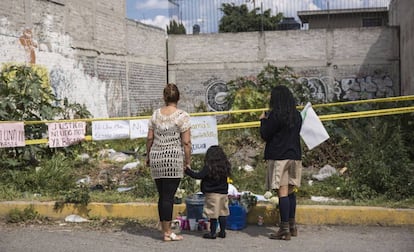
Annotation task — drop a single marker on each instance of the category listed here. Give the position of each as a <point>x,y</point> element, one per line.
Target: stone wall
<point>96,57</point>
<point>344,64</point>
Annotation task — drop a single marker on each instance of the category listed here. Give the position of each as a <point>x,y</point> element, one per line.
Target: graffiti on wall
<point>67,76</point>
<point>216,94</point>
<point>29,45</point>
<point>324,89</point>
<point>213,93</point>
<point>351,88</point>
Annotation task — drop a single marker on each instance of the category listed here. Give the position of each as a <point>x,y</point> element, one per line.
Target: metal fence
<point>206,14</point>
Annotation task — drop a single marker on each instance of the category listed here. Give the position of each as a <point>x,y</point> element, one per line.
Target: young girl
<point>214,186</point>
<point>280,129</point>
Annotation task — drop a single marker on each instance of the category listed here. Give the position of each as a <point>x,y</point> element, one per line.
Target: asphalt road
<point>56,238</point>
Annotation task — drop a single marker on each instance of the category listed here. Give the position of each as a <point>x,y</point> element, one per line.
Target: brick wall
<point>94,54</point>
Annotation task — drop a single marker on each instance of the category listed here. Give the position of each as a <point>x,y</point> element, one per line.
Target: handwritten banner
<point>12,135</point>
<point>203,133</point>
<point>138,128</point>
<point>109,130</point>
<point>66,134</point>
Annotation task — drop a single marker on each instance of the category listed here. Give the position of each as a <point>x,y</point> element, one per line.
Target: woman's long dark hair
<point>218,163</point>
<point>283,105</point>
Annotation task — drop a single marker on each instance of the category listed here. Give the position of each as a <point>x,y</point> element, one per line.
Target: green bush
<point>26,95</point>
<point>18,216</point>
<point>145,188</point>
<point>380,163</point>
<point>78,195</point>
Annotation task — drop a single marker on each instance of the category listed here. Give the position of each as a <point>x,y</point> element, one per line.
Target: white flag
<point>312,132</point>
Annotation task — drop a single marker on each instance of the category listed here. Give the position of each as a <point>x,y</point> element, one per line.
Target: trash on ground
<point>75,218</point>
<point>125,189</point>
<point>325,199</point>
<point>85,180</point>
<point>130,166</point>
<point>325,172</point>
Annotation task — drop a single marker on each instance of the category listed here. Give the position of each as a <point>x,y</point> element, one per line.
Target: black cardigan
<point>281,142</point>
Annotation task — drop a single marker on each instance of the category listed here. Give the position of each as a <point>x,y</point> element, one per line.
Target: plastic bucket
<point>194,205</point>
<point>237,218</point>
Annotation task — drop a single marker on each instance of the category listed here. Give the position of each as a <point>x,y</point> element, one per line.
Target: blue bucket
<point>237,218</point>
<point>195,205</point>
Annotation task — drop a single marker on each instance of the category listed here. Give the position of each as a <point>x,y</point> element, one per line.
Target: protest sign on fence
<point>203,133</point>
<point>138,128</point>
<point>110,130</point>
<point>66,134</point>
<point>12,134</point>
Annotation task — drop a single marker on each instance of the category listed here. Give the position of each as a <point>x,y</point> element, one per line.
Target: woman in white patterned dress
<point>168,154</point>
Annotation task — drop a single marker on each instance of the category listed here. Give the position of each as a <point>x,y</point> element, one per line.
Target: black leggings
<point>166,189</point>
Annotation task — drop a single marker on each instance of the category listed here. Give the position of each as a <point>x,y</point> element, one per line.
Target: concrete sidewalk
<point>306,214</point>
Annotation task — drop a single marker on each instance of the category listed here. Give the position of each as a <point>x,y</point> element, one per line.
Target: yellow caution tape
<point>255,124</point>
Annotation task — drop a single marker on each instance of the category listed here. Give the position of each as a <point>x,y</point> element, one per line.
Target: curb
<point>305,214</point>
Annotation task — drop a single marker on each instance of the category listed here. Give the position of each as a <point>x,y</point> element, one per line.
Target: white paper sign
<point>312,132</point>
<point>107,130</point>
<point>66,134</point>
<point>138,128</point>
<point>12,135</point>
<point>203,133</point>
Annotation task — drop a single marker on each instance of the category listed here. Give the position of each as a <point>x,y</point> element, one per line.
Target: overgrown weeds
<point>28,214</point>
<point>377,152</point>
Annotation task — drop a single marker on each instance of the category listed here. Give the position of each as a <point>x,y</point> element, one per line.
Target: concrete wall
<point>118,67</point>
<point>346,64</point>
<point>97,57</point>
<point>402,16</point>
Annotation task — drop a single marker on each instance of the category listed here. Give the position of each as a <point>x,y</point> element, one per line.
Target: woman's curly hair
<point>217,162</point>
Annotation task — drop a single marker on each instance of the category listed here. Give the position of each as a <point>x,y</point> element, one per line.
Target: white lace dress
<point>167,153</point>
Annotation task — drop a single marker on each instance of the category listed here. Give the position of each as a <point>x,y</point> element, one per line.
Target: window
<point>369,22</point>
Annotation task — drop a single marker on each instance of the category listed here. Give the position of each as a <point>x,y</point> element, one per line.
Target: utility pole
<point>261,20</point>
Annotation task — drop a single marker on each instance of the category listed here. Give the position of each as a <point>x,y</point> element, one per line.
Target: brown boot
<point>283,233</point>
<point>292,227</point>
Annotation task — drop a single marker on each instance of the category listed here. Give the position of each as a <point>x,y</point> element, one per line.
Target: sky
<point>155,12</point>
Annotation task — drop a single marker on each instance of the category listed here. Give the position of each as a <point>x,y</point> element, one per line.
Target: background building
<point>207,14</point>
<point>345,18</point>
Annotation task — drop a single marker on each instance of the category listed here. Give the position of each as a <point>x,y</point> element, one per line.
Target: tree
<point>240,19</point>
<point>175,28</point>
